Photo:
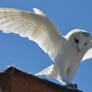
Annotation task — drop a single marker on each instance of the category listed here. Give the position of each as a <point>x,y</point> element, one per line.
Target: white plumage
<point>66,51</point>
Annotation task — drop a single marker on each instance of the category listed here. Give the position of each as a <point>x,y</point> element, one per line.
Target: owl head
<point>79,39</point>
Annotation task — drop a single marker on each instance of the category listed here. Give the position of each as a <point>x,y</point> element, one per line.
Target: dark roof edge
<point>15,71</point>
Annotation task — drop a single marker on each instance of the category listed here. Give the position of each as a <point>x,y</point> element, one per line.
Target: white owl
<point>66,52</point>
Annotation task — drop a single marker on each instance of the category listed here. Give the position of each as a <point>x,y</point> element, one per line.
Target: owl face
<point>80,40</point>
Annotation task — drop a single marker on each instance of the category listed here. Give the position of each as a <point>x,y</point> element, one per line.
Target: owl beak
<point>78,49</point>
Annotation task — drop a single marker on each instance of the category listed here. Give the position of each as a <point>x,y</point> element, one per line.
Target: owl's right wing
<point>36,27</point>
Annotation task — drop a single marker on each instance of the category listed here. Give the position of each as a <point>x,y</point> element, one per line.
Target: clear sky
<point>26,55</point>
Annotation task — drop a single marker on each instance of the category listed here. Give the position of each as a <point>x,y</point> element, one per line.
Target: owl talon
<point>72,86</point>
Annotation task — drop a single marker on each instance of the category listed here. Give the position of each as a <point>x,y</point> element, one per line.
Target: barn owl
<point>66,52</point>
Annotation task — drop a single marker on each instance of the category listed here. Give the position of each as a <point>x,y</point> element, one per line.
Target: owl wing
<point>36,27</point>
<point>88,54</point>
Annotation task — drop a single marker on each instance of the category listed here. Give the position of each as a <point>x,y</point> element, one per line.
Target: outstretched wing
<point>36,27</point>
<point>88,54</point>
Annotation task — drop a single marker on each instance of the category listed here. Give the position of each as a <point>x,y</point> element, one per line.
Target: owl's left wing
<point>88,54</point>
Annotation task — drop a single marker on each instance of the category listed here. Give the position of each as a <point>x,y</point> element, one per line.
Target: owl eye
<point>76,41</point>
<point>85,43</point>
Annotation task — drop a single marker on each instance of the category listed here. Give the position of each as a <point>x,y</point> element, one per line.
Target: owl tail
<point>50,72</point>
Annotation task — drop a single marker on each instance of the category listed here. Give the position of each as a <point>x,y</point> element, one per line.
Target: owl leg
<point>70,74</point>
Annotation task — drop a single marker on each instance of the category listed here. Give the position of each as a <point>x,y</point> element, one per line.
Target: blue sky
<point>26,55</point>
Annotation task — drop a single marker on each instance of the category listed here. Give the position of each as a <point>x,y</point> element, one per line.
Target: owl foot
<point>72,85</point>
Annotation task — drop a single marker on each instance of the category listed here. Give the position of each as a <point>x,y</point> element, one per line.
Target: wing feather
<point>88,55</point>
<point>36,27</point>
